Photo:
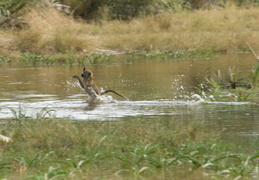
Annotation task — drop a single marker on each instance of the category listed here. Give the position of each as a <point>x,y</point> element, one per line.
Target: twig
<point>257,57</point>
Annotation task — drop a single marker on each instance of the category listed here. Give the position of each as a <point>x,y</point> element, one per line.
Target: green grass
<point>45,148</point>
<point>230,86</point>
<point>77,59</point>
<point>168,54</point>
<point>70,59</point>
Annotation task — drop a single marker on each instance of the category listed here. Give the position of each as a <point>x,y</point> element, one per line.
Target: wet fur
<point>87,83</point>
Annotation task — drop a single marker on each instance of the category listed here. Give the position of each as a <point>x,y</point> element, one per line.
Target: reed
<point>254,77</point>
<point>230,86</point>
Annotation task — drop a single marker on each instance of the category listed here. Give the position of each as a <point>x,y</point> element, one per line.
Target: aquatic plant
<point>52,172</point>
<point>36,60</point>
<point>242,94</point>
<point>136,171</point>
<point>47,61</point>
<point>96,58</point>
<point>5,60</point>
<point>4,168</point>
<point>18,113</point>
<point>167,54</point>
<point>47,147</point>
<point>233,88</point>
<point>34,161</point>
<point>254,77</point>
<point>70,59</point>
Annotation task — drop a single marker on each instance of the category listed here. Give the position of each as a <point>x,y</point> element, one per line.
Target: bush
<point>9,8</point>
<point>121,9</point>
<point>115,9</point>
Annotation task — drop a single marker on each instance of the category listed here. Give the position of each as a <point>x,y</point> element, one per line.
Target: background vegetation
<point>127,26</point>
<point>120,9</point>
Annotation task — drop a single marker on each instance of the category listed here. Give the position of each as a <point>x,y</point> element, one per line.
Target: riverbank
<point>47,31</point>
<point>47,148</point>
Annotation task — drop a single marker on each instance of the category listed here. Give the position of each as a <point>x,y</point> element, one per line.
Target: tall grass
<point>219,30</point>
<point>225,29</point>
<point>50,31</point>
<point>255,76</point>
<point>46,148</point>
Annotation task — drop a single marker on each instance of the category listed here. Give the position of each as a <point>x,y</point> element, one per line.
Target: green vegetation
<point>74,59</point>
<point>166,55</point>
<point>231,87</point>
<point>46,148</point>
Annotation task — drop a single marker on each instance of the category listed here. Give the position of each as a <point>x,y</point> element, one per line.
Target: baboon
<point>90,87</point>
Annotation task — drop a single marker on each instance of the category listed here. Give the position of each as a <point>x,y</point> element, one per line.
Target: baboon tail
<point>107,91</point>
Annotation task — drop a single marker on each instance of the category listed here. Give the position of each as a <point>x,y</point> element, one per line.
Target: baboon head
<point>87,74</point>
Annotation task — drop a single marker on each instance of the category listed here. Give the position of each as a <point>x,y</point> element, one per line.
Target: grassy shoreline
<point>219,30</point>
<point>46,148</point>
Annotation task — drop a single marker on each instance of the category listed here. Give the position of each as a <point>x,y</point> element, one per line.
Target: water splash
<point>179,90</point>
<point>100,99</point>
<point>75,108</point>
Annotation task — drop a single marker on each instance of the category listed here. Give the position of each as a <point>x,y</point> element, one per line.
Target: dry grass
<point>50,31</point>
<point>218,29</point>
<point>6,39</point>
<point>222,29</point>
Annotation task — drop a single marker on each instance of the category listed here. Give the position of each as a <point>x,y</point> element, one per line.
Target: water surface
<point>156,89</point>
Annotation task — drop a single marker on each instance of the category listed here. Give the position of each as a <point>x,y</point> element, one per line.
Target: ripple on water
<point>75,108</point>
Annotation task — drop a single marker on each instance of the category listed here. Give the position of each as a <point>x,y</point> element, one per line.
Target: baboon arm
<point>96,89</point>
<point>114,93</point>
<point>80,81</point>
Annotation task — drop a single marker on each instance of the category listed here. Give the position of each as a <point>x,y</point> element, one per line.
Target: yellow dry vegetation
<point>219,29</point>
<point>50,31</point>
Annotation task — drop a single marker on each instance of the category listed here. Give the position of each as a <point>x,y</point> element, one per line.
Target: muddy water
<point>156,89</point>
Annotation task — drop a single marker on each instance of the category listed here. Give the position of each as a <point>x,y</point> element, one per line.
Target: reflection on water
<point>156,89</point>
